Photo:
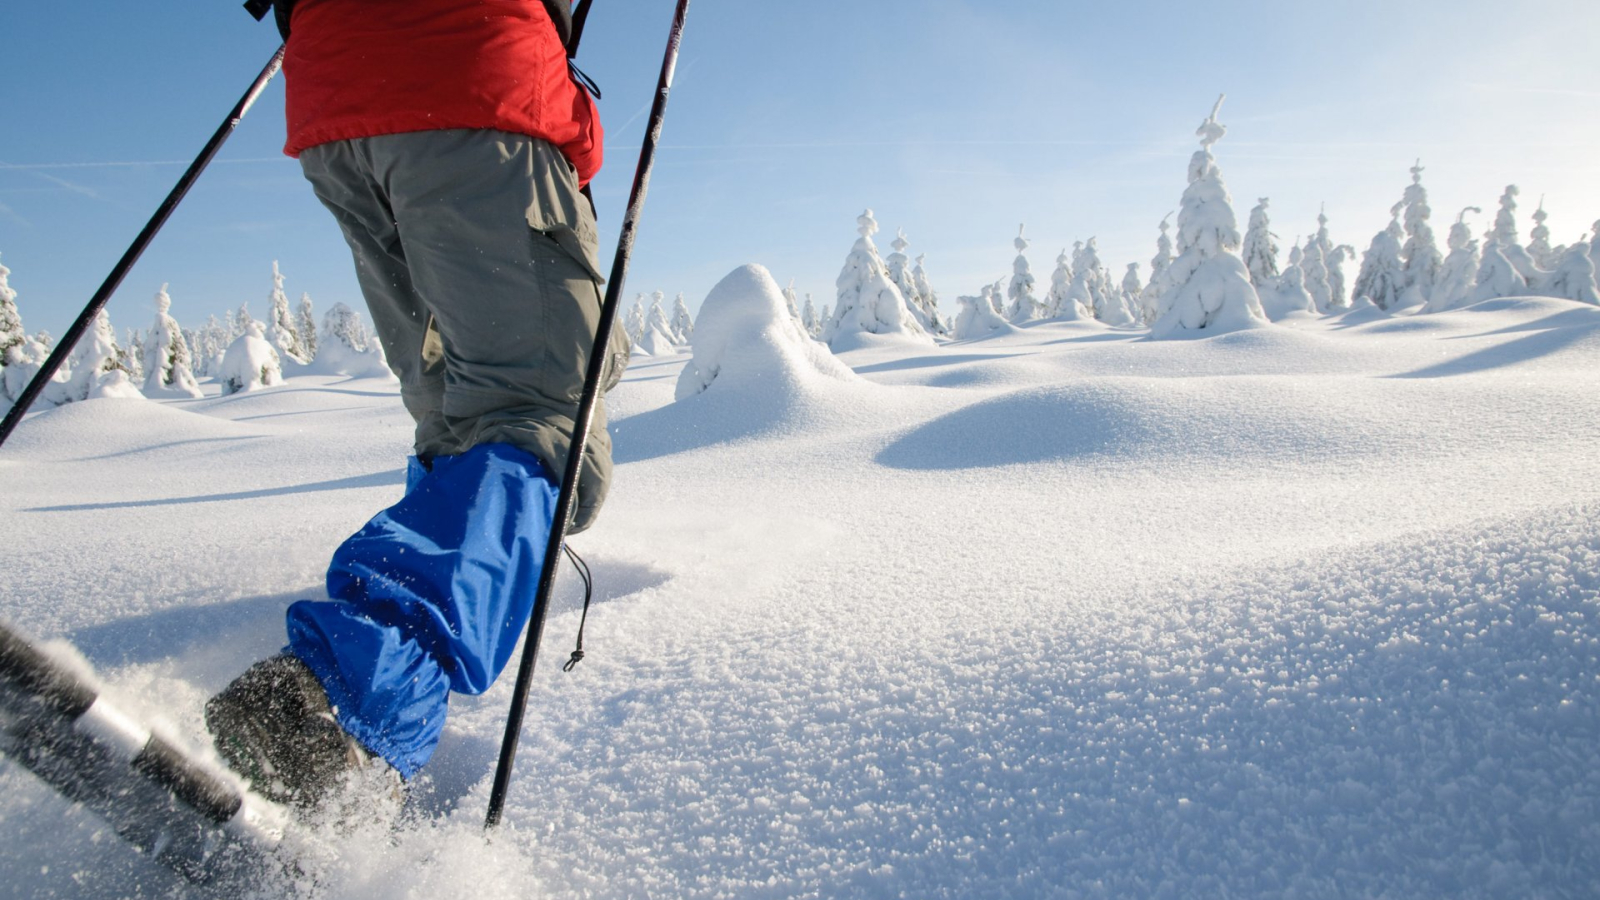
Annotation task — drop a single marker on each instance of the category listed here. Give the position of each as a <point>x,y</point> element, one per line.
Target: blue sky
<point>954,120</point>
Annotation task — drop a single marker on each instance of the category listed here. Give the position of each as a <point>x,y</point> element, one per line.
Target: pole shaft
<point>68,341</point>
<point>585,419</point>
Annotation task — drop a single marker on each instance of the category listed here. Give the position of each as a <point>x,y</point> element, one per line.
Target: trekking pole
<point>69,340</point>
<point>580,427</point>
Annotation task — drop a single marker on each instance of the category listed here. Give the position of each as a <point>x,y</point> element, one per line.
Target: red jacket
<point>359,68</point>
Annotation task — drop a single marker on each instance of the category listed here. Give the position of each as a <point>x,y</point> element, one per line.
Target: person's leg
<point>432,594</point>
<point>502,246</point>
<point>343,179</point>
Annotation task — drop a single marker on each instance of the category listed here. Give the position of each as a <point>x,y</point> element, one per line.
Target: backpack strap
<point>580,14</point>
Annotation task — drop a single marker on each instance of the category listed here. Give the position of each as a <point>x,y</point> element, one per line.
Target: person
<point>451,143</point>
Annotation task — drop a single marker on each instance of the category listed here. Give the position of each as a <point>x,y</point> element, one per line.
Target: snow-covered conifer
<point>168,368</point>
<point>240,326</point>
<point>306,318</point>
<point>978,317</point>
<point>12,333</point>
<point>1091,286</point>
<point>24,361</point>
<point>868,301</point>
<point>283,330</point>
<point>1023,306</point>
<point>1132,287</point>
<point>683,323</point>
<point>1420,255</point>
<point>1382,277</point>
<point>1260,250</point>
<point>1497,276</point>
<point>344,326</point>
<point>1314,280</point>
<point>1505,234</point>
<point>1594,244</point>
<point>251,363</point>
<point>1150,300</point>
<point>898,266</point>
<point>1573,277</point>
<point>634,324</point>
<point>1544,256</point>
<point>97,364</point>
<point>1338,299</point>
<point>345,347</point>
<point>657,336</point>
<point>928,299</point>
<point>133,355</point>
<point>1060,301</point>
<point>1286,295</point>
<point>789,300</point>
<point>1210,287</point>
<point>1458,276</point>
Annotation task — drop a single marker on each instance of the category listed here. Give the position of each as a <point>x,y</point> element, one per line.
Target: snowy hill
<point>1306,610</point>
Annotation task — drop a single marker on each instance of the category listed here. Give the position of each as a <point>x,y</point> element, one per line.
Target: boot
<point>274,727</point>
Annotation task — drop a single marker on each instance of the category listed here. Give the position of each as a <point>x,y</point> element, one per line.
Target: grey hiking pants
<point>478,259</point>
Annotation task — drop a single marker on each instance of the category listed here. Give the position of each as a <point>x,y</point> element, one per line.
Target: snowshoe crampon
<point>157,796</point>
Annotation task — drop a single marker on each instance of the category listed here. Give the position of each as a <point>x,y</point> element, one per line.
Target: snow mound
<point>746,340</point>
<point>250,363</point>
<point>1162,422</point>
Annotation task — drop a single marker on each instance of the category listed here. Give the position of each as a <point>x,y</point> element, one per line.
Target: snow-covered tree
<point>898,266</point>
<point>1132,288</point>
<point>1260,248</point>
<point>1023,306</point>
<point>26,360</point>
<point>978,317</point>
<point>1210,288</point>
<point>634,324</point>
<point>1382,278</point>
<point>1594,245</point>
<point>97,369</point>
<point>22,357</point>
<point>306,319</point>
<point>240,325</point>
<point>1458,276</point>
<point>1573,277</point>
<point>928,299</point>
<point>12,333</point>
<point>1092,287</point>
<point>283,330</point>
<point>1505,235</point>
<point>1420,255</point>
<point>251,363</point>
<point>1314,279</point>
<point>868,301</point>
<point>168,370</point>
<point>1286,294</point>
<point>1150,300</point>
<point>1497,276</point>
<point>212,341</point>
<point>683,323</point>
<point>1062,305</point>
<point>344,347</point>
<point>789,300</point>
<point>133,355</point>
<point>1337,298</point>
<point>657,337</point>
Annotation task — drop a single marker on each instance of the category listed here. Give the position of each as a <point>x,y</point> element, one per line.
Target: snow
<point>1308,610</point>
